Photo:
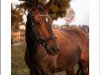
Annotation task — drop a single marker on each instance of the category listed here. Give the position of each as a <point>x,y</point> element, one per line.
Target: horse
<point>50,50</point>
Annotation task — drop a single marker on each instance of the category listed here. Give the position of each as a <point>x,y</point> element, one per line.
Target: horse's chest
<point>43,59</point>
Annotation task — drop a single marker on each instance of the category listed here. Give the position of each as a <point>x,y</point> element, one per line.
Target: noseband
<point>43,41</point>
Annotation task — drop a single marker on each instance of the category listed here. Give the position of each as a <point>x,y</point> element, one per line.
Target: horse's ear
<point>35,3</point>
<point>47,6</point>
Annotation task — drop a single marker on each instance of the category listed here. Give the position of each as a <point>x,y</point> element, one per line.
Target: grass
<point>18,66</point>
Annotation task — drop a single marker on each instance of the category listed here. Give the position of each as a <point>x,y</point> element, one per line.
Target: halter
<point>41,40</point>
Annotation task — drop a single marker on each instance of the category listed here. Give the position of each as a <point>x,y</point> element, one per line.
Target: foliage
<point>16,17</point>
<point>70,15</point>
<point>57,9</point>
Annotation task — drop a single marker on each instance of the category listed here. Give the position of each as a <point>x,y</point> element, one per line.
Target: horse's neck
<point>29,34</point>
<point>29,28</point>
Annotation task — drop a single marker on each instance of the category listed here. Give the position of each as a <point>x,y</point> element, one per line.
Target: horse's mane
<point>70,29</point>
<point>75,30</point>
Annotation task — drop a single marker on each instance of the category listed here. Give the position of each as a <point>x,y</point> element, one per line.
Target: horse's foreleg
<point>32,72</point>
<point>84,64</point>
<point>79,72</point>
<point>84,68</point>
<point>70,71</point>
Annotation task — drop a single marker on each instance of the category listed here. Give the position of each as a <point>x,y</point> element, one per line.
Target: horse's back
<point>71,35</point>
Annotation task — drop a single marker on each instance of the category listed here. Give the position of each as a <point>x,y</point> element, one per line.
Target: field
<point>18,66</point>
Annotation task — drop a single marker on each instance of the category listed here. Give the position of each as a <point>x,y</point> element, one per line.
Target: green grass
<point>18,66</point>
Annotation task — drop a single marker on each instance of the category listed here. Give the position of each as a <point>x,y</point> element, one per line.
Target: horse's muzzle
<point>52,50</point>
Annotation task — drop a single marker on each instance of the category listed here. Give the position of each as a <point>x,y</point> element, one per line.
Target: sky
<point>81,9</point>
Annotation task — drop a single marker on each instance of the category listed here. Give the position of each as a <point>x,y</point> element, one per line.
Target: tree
<point>58,8</point>
<point>70,15</point>
<point>16,17</point>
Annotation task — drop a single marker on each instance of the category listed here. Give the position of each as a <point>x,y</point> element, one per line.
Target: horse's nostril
<point>53,48</point>
<point>49,50</point>
<point>57,50</point>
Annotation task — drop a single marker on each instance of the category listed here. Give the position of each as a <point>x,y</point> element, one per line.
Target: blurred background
<point>64,13</point>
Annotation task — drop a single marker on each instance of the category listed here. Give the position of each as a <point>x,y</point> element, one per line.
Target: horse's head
<point>42,27</point>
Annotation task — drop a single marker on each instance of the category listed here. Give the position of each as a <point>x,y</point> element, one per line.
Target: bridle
<point>42,40</point>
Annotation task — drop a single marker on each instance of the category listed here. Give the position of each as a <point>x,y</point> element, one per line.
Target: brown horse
<point>52,50</point>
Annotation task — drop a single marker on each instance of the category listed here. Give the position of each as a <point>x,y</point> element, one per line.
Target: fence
<point>18,36</point>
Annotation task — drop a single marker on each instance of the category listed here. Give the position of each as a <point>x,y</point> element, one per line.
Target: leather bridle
<point>42,40</point>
